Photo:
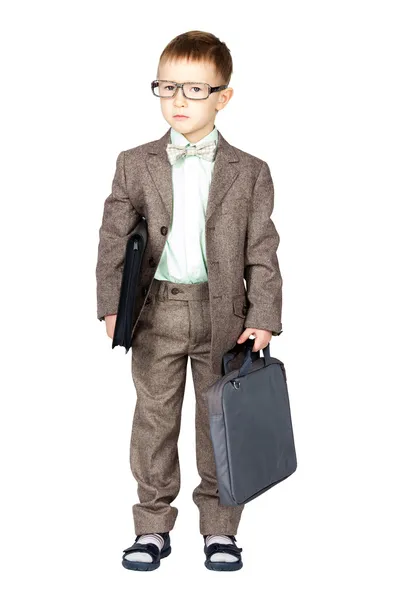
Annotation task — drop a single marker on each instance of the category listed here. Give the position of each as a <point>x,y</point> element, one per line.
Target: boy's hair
<point>200,46</point>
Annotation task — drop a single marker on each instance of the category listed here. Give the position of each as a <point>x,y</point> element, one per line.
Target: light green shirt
<point>184,256</point>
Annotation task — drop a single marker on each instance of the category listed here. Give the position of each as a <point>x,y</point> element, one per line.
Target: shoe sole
<point>213,565</point>
<point>135,565</point>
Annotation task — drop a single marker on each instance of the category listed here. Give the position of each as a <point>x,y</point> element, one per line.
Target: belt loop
<point>159,290</point>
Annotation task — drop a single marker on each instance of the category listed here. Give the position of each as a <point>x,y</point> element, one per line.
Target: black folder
<point>135,248</point>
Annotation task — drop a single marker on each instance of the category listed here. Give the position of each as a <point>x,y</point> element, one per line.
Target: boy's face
<point>200,113</point>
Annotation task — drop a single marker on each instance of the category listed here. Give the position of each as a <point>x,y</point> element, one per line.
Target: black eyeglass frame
<point>211,90</point>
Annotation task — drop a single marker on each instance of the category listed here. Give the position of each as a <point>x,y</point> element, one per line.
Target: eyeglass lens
<point>166,89</point>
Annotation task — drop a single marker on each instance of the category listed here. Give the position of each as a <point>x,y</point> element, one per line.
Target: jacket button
<point>244,310</point>
<point>164,230</point>
<point>152,262</point>
<point>148,301</point>
<point>144,291</point>
<point>174,291</point>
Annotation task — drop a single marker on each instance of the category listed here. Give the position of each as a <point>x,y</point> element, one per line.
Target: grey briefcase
<point>250,425</point>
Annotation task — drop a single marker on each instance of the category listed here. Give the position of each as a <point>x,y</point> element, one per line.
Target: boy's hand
<point>263,337</point>
<point>110,324</point>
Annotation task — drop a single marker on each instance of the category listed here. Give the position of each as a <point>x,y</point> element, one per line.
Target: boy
<point>207,207</point>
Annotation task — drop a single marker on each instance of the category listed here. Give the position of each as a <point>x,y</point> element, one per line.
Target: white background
<point>316,96</point>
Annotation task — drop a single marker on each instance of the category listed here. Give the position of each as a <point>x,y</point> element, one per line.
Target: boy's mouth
<point>180,117</point>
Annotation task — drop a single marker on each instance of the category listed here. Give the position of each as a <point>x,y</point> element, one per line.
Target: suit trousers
<point>174,324</point>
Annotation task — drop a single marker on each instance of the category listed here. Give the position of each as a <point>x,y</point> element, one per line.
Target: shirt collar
<point>179,139</point>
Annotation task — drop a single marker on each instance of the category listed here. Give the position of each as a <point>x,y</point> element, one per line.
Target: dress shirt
<point>184,256</point>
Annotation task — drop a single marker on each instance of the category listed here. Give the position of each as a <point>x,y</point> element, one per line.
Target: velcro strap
<point>228,548</point>
<point>150,548</point>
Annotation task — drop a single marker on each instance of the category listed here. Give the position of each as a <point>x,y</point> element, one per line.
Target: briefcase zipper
<point>135,248</point>
<point>129,334</point>
<point>235,382</point>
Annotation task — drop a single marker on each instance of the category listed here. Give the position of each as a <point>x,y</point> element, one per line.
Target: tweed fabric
<point>245,284</point>
<point>174,325</point>
<point>206,151</point>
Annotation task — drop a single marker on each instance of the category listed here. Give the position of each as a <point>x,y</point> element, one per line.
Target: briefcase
<point>250,425</point>
<point>134,251</point>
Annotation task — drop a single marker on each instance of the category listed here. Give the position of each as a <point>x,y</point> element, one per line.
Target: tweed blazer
<point>245,283</point>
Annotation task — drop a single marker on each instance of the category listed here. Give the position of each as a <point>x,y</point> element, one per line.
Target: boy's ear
<point>226,96</point>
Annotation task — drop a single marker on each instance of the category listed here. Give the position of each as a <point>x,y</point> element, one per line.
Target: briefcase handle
<point>249,356</point>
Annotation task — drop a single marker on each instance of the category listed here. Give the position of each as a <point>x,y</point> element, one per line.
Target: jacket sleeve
<point>119,220</point>
<point>261,272</point>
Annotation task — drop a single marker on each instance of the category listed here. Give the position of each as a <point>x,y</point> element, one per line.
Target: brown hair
<point>200,46</point>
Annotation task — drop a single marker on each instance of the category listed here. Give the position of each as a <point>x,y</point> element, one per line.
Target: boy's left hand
<point>263,337</point>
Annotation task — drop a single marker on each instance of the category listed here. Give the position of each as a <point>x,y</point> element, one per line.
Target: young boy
<point>207,206</point>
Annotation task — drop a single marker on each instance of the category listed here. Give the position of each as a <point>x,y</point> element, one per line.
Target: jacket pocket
<point>240,305</point>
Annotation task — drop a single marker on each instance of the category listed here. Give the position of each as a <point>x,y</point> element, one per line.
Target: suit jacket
<point>244,278</point>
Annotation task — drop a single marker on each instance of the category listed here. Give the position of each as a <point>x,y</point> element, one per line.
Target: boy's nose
<point>179,97</point>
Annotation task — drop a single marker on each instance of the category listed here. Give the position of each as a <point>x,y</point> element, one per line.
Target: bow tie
<point>206,151</point>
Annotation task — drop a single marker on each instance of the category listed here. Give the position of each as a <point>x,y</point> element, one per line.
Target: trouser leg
<point>214,518</point>
<point>159,363</point>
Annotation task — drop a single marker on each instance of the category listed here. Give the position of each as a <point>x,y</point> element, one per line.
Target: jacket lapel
<point>224,174</point>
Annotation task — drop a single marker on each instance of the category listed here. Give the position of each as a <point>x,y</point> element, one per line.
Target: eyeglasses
<point>191,89</point>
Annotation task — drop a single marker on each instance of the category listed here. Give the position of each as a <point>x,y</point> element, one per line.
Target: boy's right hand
<point>110,324</point>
